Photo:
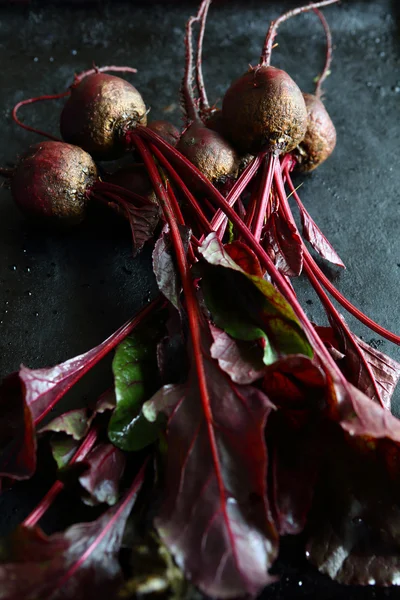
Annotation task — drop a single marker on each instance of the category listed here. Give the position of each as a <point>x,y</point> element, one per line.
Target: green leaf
<point>248,307</point>
<point>63,447</point>
<point>136,379</point>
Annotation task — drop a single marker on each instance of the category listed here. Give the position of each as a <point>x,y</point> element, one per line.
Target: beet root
<point>320,139</point>
<point>99,112</point>
<point>264,110</point>
<point>52,180</point>
<point>209,152</point>
<point>166,130</point>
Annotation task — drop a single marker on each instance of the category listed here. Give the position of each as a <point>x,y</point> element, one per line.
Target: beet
<point>209,152</point>
<point>265,110</point>
<point>320,139</point>
<point>51,182</point>
<point>99,112</point>
<point>166,130</point>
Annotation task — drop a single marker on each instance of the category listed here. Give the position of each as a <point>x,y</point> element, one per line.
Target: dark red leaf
<point>316,238</point>
<point>45,387</point>
<point>17,435</point>
<point>286,244</point>
<point>80,563</point>
<point>143,221</point>
<point>244,258</point>
<point>355,522</point>
<point>106,465</point>
<point>295,382</point>
<point>215,517</point>
<point>164,265</point>
<point>243,361</point>
<point>385,370</point>
<point>296,453</point>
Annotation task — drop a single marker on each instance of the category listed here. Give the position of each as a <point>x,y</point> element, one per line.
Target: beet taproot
<point>99,112</point>
<point>51,182</point>
<point>320,138</point>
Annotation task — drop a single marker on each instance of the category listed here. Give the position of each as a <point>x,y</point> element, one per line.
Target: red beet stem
<point>118,192</point>
<point>265,59</point>
<point>238,189</point>
<point>34,517</point>
<point>77,79</point>
<point>196,208</point>
<point>192,307</point>
<point>264,196</point>
<point>109,344</point>
<point>32,101</point>
<point>203,11</point>
<point>330,309</point>
<point>328,59</point>
<point>189,101</point>
<point>392,337</point>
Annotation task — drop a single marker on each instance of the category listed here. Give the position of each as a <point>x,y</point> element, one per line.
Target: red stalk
<point>264,196</point>
<point>34,517</point>
<point>203,11</point>
<point>392,337</point>
<point>117,338</point>
<point>118,192</point>
<point>133,490</point>
<point>327,304</point>
<point>193,311</point>
<point>328,59</point>
<point>265,59</point>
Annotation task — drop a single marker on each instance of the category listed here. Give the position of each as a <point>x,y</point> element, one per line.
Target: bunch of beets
<point>233,420</point>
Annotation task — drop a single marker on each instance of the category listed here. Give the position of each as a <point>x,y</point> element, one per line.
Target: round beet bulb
<point>265,110</point>
<point>51,182</point>
<point>209,152</point>
<point>166,130</point>
<point>320,138</point>
<point>99,112</point>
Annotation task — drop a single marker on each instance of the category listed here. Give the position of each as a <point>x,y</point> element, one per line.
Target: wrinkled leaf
<point>17,435</point>
<point>106,465</point>
<point>355,522</point>
<point>143,221</point>
<point>215,517</point>
<point>136,379</point>
<point>164,265</point>
<point>63,448</point>
<point>283,238</point>
<point>244,257</point>
<point>248,307</point>
<point>243,361</point>
<point>316,238</point>
<point>45,387</point>
<point>107,401</point>
<point>80,563</point>
<point>75,423</point>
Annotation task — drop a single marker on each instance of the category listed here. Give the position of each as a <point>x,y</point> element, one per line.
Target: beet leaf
<point>45,387</point>
<point>80,563</point>
<point>106,465</point>
<point>283,238</point>
<point>136,379</point>
<point>164,266</point>
<point>17,435</point>
<point>355,522</point>
<point>215,517</point>
<point>243,361</point>
<point>248,307</point>
<point>75,423</point>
